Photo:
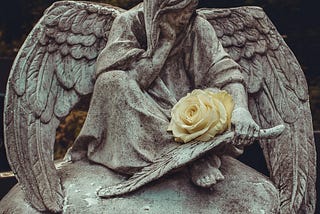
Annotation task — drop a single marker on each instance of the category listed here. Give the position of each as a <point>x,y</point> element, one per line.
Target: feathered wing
<point>53,69</point>
<point>278,94</point>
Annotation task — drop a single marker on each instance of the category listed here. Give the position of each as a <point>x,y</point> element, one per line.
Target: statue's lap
<point>243,191</point>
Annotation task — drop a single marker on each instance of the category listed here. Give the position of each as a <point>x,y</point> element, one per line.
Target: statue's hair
<point>177,4</point>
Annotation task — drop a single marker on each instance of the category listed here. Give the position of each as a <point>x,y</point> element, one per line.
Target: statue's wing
<point>277,94</point>
<point>53,69</point>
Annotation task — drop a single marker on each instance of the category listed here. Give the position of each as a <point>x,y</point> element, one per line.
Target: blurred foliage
<point>70,127</point>
<point>314,92</point>
<point>68,131</point>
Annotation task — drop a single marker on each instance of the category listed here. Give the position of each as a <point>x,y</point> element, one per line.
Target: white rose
<point>201,115</point>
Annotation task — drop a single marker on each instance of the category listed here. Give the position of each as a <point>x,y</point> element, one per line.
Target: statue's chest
<point>175,77</point>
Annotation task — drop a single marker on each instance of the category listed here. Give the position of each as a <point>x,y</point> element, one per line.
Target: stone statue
<point>137,65</point>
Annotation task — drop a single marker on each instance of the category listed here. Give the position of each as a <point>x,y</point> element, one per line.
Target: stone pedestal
<point>243,191</point>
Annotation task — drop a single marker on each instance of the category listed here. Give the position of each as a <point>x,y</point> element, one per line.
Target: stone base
<point>243,191</point>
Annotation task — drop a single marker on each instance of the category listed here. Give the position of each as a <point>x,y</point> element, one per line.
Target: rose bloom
<point>201,115</point>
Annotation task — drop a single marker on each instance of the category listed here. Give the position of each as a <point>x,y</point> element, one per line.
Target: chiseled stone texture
<point>243,191</point>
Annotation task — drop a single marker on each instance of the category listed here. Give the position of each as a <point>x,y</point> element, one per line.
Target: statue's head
<point>177,4</point>
<point>177,12</point>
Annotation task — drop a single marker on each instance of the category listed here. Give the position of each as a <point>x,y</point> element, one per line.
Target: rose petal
<point>208,115</point>
<point>190,114</point>
<point>223,114</point>
<point>201,115</point>
<point>188,137</point>
<point>227,101</point>
<point>178,131</point>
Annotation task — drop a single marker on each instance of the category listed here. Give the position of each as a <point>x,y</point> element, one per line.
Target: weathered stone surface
<point>149,59</point>
<point>243,191</point>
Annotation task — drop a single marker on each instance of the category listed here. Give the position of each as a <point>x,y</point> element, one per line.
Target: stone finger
<point>256,132</point>
<point>251,132</point>
<point>242,140</point>
<point>236,140</point>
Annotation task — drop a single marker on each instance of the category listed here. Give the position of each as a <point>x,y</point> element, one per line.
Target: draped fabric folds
<point>126,125</point>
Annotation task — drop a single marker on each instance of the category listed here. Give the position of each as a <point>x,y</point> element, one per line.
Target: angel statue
<point>176,94</point>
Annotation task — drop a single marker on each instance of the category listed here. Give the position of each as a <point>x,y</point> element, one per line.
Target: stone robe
<point>126,126</point>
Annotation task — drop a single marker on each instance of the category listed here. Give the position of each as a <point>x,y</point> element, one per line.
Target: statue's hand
<point>246,129</point>
<point>167,31</point>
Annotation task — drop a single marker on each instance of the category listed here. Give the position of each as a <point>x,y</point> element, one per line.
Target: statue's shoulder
<point>202,26</point>
<point>200,19</point>
<point>131,16</point>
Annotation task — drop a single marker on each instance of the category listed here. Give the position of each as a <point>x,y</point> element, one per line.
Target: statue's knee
<point>113,79</point>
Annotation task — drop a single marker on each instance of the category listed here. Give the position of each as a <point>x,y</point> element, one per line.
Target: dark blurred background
<point>297,21</point>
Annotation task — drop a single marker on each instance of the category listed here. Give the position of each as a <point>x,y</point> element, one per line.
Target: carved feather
<point>175,158</point>
<point>278,95</point>
<point>53,69</point>
<point>84,86</point>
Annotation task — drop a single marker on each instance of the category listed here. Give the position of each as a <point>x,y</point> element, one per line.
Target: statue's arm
<point>226,74</point>
<point>126,50</point>
<point>223,72</point>
<point>246,129</point>
<point>146,70</point>
<point>239,94</point>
